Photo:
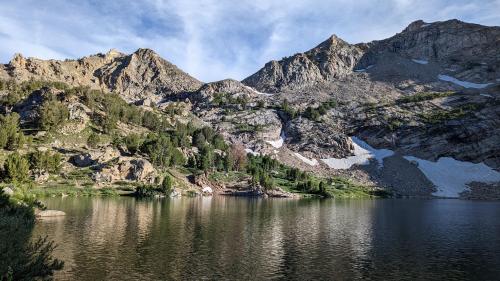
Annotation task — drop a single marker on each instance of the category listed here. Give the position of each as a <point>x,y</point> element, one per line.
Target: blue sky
<point>214,39</point>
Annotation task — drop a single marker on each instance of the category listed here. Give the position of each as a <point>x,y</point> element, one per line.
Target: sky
<point>214,39</point>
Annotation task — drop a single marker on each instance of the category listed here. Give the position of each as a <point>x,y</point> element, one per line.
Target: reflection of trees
<point>20,258</point>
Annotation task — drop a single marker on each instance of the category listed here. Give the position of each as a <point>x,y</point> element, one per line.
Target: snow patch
<point>425,25</point>
<point>486,95</point>
<point>462,83</point>
<point>207,189</point>
<point>420,61</point>
<point>364,69</point>
<point>279,142</point>
<point>257,92</point>
<point>451,176</point>
<point>363,152</point>
<point>311,162</point>
<point>248,150</point>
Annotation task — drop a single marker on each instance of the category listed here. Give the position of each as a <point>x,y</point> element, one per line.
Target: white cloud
<point>214,39</point>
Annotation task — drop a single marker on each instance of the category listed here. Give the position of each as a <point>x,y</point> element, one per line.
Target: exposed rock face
<point>331,59</point>
<point>465,51</point>
<point>127,168</point>
<point>225,86</point>
<point>318,139</point>
<point>136,76</point>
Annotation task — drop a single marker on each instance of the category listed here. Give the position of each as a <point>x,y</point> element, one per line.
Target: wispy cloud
<point>214,39</point>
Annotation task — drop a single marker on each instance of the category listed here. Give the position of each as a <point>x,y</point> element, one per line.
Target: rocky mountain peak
<point>113,53</point>
<point>138,76</point>
<point>415,26</point>
<point>17,60</point>
<point>331,59</point>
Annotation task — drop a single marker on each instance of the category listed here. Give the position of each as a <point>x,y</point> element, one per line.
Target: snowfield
<point>311,162</point>
<point>420,61</point>
<point>451,176</point>
<point>257,92</point>
<point>363,152</point>
<point>278,143</point>
<point>364,69</point>
<point>462,83</point>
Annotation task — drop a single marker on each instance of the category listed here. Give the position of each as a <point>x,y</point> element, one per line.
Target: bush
<point>52,115</point>
<point>133,142</point>
<point>45,161</point>
<point>419,97</point>
<point>315,113</point>
<point>93,140</point>
<point>16,168</point>
<point>11,137</point>
<point>167,184</point>
<point>22,258</point>
<point>285,106</point>
<point>159,148</point>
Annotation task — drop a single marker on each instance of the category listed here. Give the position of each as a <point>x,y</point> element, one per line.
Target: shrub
<point>45,161</point>
<point>93,140</point>
<point>133,142</point>
<point>16,168</point>
<point>419,97</point>
<point>167,184</point>
<point>11,137</point>
<point>52,115</point>
<point>21,257</point>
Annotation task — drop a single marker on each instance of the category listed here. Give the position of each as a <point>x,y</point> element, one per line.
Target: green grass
<point>49,190</point>
<point>232,176</point>
<point>336,187</point>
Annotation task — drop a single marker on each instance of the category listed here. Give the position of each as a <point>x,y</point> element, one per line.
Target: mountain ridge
<point>430,92</point>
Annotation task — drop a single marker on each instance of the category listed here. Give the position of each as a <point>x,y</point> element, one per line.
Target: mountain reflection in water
<point>224,238</point>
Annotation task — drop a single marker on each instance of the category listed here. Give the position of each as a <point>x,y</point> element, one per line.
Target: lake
<point>226,238</point>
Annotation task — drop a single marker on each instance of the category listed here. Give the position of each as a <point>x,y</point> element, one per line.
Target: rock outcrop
<point>127,169</point>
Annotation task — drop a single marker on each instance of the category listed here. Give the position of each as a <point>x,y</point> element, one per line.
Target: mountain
<point>416,114</point>
<point>138,76</point>
<point>469,51</point>
<point>334,58</point>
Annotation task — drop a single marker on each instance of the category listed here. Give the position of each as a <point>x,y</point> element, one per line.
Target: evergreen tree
<point>167,184</point>
<point>16,168</point>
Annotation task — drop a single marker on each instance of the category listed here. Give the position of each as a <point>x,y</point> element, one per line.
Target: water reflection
<point>228,238</point>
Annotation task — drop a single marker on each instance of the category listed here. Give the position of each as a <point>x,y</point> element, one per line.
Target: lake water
<point>225,238</point>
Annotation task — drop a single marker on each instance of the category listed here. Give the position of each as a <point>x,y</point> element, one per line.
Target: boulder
<point>82,160</point>
<point>175,193</point>
<point>103,156</point>
<point>207,190</point>
<point>50,213</point>
<point>41,177</point>
<point>127,168</point>
<point>8,191</point>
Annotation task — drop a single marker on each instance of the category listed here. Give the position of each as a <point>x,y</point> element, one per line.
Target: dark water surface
<point>225,238</point>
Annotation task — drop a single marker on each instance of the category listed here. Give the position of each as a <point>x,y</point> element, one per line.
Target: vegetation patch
<point>424,96</point>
